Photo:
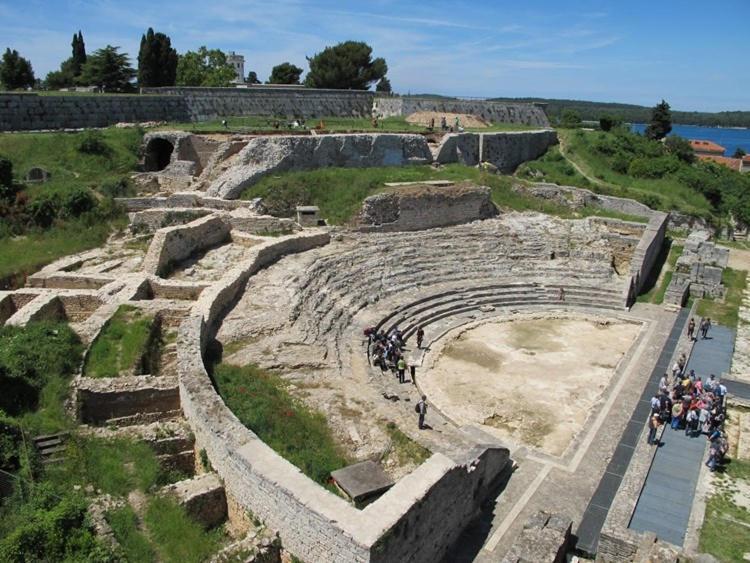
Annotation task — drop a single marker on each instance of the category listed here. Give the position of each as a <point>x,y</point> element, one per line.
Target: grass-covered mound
<point>664,176</point>
<point>339,192</point>
<point>122,346</point>
<point>71,212</point>
<point>262,403</point>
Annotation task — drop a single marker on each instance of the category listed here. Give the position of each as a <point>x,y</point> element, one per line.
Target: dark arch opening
<point>158,155</point>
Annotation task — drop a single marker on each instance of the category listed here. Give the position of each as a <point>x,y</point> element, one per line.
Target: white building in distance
<point>238,64</point>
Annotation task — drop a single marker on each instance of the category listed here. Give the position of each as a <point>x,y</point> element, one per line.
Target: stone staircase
<point>51,447</point>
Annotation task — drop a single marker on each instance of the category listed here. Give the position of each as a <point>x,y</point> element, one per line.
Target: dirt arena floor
<point>529,381</point>
<point>466,120</point>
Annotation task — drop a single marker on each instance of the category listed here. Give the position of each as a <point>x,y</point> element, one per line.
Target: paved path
<point>596,512</point>
<point>667,498</point>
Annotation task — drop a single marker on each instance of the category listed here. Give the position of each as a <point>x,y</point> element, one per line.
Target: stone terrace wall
<point>647,252</point>
<point>424,207</point>
<point>503,150</point>
<point>495,112</point>
<point>313,523</point>
<point>210,103</point>
<point>24,112</point>
<point>173,244</point>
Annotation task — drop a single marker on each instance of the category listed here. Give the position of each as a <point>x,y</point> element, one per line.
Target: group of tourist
<point>686,402</point>
<point>386,351</point>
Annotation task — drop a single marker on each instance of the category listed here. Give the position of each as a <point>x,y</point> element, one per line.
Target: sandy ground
<point>530,381</point>
<point>466,120</point>
<point>739,259</point>
<point>212,264</point>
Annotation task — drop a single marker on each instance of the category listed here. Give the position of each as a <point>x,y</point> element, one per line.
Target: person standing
<point>401,366</point>
<point>654,422</point>
<point>421,409</point>
<point>413,373</point>
<point>691,329</point>
<point>420,337</point>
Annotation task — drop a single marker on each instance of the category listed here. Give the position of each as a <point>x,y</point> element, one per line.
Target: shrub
<point>6,172</point>
<point>620,164</point>
<point>92,142</point>
<point>652,200</point>
<point>44,210</point>
<point>653,167</point>
<point>11,440</point>
<point>77,201</point>
<point>30,357</point>
<point>680,148</point>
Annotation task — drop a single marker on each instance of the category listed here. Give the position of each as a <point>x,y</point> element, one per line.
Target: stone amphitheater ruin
<point>533,365</point>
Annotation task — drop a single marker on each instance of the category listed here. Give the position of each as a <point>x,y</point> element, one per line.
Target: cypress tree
<point>661,122</point>
<point>157,60</point>
<point>79,53</point>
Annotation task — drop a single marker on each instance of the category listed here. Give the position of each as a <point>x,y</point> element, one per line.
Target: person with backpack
<point>421,409</point>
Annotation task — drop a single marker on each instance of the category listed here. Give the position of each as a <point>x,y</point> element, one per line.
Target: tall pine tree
<point>79,53</point>
<point>661,122</point>
<point>157,60</point>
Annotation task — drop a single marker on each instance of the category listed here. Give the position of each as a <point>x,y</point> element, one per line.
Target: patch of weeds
<point>406,449</point>
<point>134,543</point>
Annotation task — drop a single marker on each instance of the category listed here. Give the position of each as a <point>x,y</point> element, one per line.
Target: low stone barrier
<point>416,520</point>
<point>142,398</point>
<point>170,245</point>
<point>646,253</point>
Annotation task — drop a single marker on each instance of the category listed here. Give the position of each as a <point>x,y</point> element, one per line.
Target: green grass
<point>656,293</point>
<point>725,533</point>
<point>23,255</point>
<point>337,124</point>
<point>666,193</point>
<point>178,538</point>
<point>262,403</point>
<point>134,543</point>
<point>725,312</point>
<point>406,449</point>
<point>339,192</point>
<point>115,466</point>
<point>121,344</point>
<point>553,167</point>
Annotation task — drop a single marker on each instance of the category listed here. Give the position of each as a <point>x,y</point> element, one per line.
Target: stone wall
<point>210,103</point>
<point>503,150</point>
<point>409,522</point>
<point>103,399</point>
<point>174,244</point>
<point>271,154</point>
<point>24,112</point>
<point>415,208</point>
<point>494,112</point>
<point>577,198</point>
<point>646,253</point>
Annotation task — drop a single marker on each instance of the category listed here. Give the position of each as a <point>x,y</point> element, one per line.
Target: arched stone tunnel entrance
<point>158,155</point>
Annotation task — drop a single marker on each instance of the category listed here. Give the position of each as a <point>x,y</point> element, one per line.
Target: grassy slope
<point>58,154</point>
<point>120,344</point>
<point>262,403</point>
<point>673,194</point>
<point>339,192</point>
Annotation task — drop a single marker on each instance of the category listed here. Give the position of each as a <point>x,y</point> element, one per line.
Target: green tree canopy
<point>348,65</point>
<point>205,67</point>
<point>680,147</point>
<point>661,121</point>
<point>157,60</point>
<point>109,70</point>
<point>285,73</point>
<point>607,122</point>
<point>79,53</point>
<point>570,118</point>
<point>739,153</point>
<point>15,71</point>
<point>384,85</point>
<point>252,78</point>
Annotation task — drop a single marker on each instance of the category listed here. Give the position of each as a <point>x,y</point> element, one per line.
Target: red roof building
<point>733,163</point>
<point>707,147</point>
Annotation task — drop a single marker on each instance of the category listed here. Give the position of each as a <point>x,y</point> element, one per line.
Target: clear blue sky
<point>692,53</point>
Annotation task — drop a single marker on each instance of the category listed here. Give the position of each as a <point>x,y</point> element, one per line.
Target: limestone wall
<point>271,154</point>
<point>174,244</point>
<point>24,112</point>
<point>647,252</point>
<point>102,399</point>
<point>495,112</point>
<point>425,207</point>
<point>407,523</point>
<point>210,103</point>
<point>503,150</point>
